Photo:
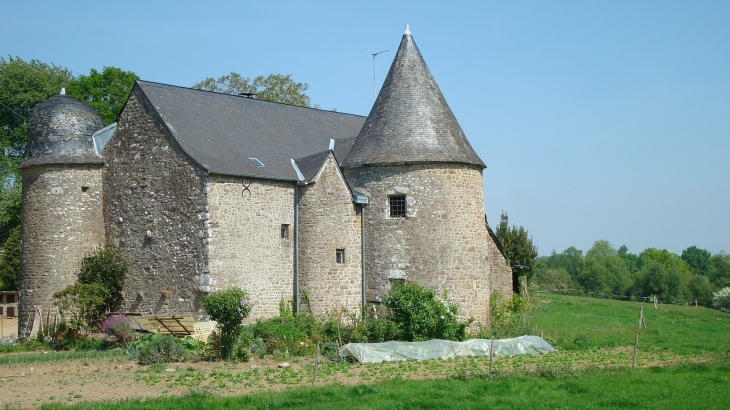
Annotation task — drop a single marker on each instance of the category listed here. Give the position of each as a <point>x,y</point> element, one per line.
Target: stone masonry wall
<point>245,247</point>
<point>443,242</point>
<point>329,220</point>
<point>62,222</point>
<point>156,211</point>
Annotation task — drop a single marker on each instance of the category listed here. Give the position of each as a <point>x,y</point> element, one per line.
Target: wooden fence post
<point>491,354</point>
<point>641,318</point>
<point>316,362</point>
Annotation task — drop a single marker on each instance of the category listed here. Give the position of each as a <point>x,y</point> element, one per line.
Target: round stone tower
<point>62,215</point>
<point>425,218</point>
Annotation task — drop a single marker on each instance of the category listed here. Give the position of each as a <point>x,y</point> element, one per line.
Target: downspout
<point>296,249</point>
<point>362,254</point>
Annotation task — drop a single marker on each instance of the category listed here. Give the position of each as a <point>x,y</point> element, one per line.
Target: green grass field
<point>610,323</point>
<point>683,363</point>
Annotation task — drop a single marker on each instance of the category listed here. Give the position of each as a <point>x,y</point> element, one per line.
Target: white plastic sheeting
<point>443,349</point>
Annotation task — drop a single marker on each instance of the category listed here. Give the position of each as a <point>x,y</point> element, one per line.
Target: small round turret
<point>59,132</point>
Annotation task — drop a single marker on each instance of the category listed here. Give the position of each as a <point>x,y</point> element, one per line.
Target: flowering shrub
<point>71,339</point>
<point>228,307</point>
<point>119,327</point>
<point>721,299</point>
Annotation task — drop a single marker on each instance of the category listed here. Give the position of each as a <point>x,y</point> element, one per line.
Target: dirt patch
<point>117,378</point>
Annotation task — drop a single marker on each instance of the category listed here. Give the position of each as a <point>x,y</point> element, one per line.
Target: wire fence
<point>601,295</point>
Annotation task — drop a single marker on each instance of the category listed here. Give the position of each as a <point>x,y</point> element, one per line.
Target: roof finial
<point>63,91</point>
<point>408,30</point>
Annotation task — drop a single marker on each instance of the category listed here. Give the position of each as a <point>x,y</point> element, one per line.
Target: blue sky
<point>596,119</point>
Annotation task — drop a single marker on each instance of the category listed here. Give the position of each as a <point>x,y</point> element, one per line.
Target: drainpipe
<point>296,249</point>
<point>362,254</point>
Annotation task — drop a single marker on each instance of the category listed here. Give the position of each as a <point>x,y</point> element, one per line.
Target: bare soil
<point>118,378</point>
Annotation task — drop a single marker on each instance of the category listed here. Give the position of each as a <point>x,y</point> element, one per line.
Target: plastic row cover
<point>443,349</point>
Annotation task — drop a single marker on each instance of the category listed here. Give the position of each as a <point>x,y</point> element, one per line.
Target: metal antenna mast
<point>375,91</point>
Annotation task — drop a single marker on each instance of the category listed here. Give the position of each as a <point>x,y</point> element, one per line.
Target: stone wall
<point>329,220</point>
<point>156,211</point>
<point>62,222</point>
<point>443,242</point>
<point>245,247</point>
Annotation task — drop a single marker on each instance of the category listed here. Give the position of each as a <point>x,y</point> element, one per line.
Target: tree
<point>667,284</point>
<point>519,249</point>
<point>10,262</point>
<point>274,87</point>
<point>631,260</point>
<point>10,198</point>
<point>697,259</point>
<point>601,249</point>
<point>701,290</point>
<point>667,260</point>
<point>719,270</point>
<point>106,92</point>
<point>228,307</point>
<point>106,267</point>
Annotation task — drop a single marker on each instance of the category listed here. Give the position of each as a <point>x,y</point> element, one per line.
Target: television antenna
<point>375,90</point>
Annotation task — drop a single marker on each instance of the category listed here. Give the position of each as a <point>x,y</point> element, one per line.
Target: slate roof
<point>59,132</point>
<point>410,121</point>
<point>221,132</point>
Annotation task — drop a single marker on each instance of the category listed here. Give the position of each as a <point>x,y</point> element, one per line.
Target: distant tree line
<point>692,276</point>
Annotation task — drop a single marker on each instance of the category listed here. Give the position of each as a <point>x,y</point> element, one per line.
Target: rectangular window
<point>10,298</point>
<point>340,255</point>
<point>11,311</point>
<point>284,231</point>
<point>397,206</point>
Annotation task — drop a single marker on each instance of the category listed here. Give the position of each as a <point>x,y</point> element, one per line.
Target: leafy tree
<point>631,260</point>
<point>10,198</point>
<point>719,270</point>
<point>23,85</point>
<point>697,259</point>
<point>228,307</point>
<point>667,284</point>
<point>601,249</point>
<point>667,260</point>
<point>517,245</point>
<point>106,267</point>
<point>106,92</point>
<point>10,262</point>
<point>701,290</point>
<point>274,87</point>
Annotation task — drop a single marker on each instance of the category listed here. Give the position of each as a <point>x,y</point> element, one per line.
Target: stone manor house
<point>205,191</point>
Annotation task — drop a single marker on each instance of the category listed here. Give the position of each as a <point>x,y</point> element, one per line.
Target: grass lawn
<point>682,387</point>
<point>608,323</point>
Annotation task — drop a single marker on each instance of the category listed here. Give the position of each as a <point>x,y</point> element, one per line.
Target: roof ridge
<point>247,98</point>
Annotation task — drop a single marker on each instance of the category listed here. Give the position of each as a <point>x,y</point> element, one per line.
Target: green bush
<point>228,307</point>
<point>420,315</point>
<point>83,303</point>
<point>106,267</point>
<point>156,348</point>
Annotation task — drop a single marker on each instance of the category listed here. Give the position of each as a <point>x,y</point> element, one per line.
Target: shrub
<point>157,348</point>
<point>227,307</point>
<point>701,290</point>
<point>721,300</point>
<point>83,303</point>
<point>106,267</point>
<point>119,327</point>
<point>420,315</point>
<point>72,339</point>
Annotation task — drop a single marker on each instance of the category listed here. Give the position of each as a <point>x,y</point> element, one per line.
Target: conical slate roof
<point>60,131</point>
<point>410,121</point>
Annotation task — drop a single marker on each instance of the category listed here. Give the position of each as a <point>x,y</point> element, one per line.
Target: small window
<point>11,311</point>
<point>1,310</point>
<point>397,206</point>
<point>10,298</point>
<point>284,231</point>
<point>340,255</point>
<point>399,281</point>
<point>256,162</point>
<point>84,189</point>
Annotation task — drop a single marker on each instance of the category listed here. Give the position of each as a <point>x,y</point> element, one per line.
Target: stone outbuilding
<point>204,191</point>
